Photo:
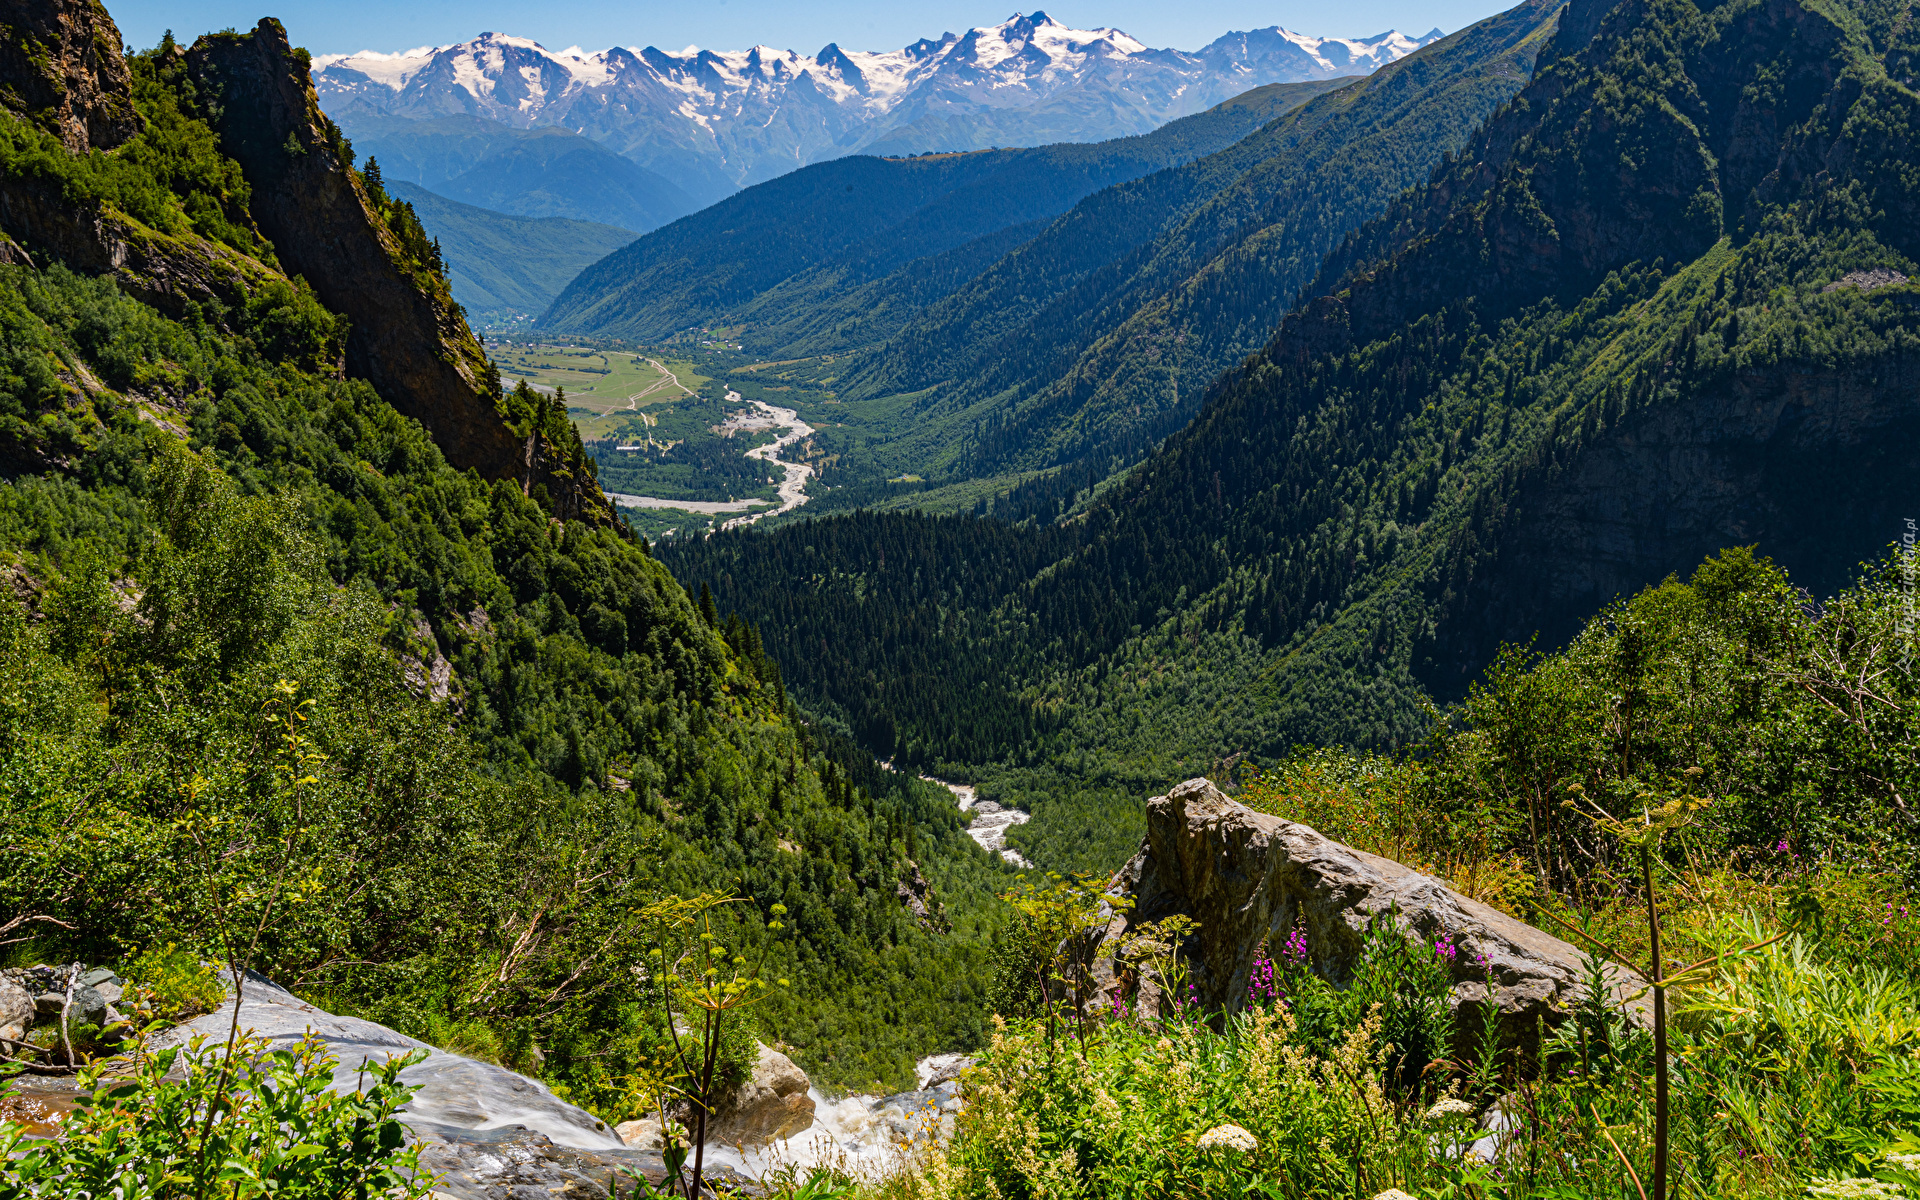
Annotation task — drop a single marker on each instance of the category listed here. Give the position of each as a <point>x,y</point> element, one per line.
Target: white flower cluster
<point>1228,1137</point>
<point>1854,1189</point>
<point>1905,1162</point>
<point>1393,1194</point>
<point>1448,1108</point>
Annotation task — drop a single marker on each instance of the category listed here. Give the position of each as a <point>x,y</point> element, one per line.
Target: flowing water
<point>862,1134</point>
<point>990,822</point>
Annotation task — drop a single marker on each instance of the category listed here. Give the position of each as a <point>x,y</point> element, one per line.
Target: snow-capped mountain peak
<point>736,116</point>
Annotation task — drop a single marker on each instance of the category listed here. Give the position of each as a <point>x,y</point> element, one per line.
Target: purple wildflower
<point>1295,951</point>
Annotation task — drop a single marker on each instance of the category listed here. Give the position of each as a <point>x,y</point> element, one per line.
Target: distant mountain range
<point>822,236</point>
<point>713,122</point>
<point>546,172</point>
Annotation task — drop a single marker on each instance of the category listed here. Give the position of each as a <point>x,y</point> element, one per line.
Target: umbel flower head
<point>1393,1194</point>
<point>1449,1108</point>
<point>1228,1137</point>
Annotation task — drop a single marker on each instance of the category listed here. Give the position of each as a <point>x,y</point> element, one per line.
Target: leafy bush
<point>1790,1065</point>
<point>175,983</point>
<point>247,1122</point>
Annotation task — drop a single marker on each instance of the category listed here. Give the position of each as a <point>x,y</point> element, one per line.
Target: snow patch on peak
<point>392,69</point>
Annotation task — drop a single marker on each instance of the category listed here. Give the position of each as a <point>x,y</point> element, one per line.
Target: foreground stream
<point>861,1134</point>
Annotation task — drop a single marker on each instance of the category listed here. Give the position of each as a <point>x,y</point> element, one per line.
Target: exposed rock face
<point>17,1010</point>
<point>1247,877</point>
<point>1819,466</point>
<point>488,1131</point>
<point>771,1106</point>
<point>915,893</point>
<point>161,270</point>
<point>60,69</point>
<point>61,63</point>
<point>410,341</point>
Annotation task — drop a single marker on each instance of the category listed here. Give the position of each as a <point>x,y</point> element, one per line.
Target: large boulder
<point>16,1010</point>
<point>486,1131</point>
<point>773,1103</point>
<point>1248,877</point>
<point>771,1106</point>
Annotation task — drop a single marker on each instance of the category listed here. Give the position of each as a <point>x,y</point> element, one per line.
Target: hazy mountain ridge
<point>713,122</point>
<point>502,265</point>
<point>857,219</point>
<point>545,172</point>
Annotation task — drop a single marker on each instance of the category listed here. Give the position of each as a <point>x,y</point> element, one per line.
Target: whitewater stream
<point>860,1134</point>
<point>793,488</point>
<point>990,821</point>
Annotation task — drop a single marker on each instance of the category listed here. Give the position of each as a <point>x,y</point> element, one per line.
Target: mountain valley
<point>1316,618</point>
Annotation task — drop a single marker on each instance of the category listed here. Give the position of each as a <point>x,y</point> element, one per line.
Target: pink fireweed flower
<point>1260,981</point>
<point>1295,951</point>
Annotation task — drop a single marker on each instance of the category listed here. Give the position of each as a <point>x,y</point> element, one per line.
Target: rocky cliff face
<point>61,71</point>
<point>60,60</point>
<point>1249,878</point>
<point>408,338</point>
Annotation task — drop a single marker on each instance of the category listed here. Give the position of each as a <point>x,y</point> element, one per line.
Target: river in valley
<point>793,487</point>
<point>990,820</point>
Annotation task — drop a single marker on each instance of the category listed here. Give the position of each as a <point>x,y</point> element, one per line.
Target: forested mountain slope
<point>856,219</point>
<point>1657,305</point>
<point>1099,336</point>
<point>262,627</point>
<point>504,265</point>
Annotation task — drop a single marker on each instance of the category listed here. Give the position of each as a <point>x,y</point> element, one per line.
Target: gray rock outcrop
<point>17,1010</point>
<point>1248,877</point>
<point>489,1131</point>
<point>771,1105</point>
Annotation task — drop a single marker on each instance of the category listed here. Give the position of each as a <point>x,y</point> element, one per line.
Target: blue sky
<point>335,26</point>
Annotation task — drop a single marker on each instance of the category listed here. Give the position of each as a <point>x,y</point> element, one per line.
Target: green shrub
<point>255,1123</point>
<point>1791,1065</point>
<point>175,983</point>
